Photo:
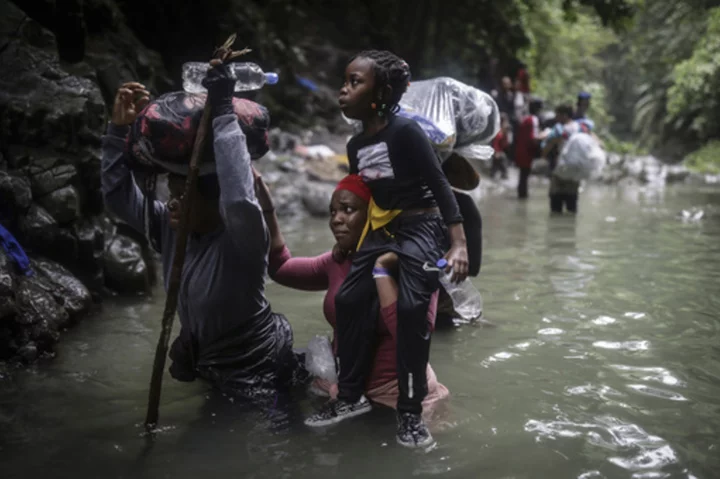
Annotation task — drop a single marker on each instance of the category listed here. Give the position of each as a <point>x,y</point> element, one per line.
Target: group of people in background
<point>526,134</point>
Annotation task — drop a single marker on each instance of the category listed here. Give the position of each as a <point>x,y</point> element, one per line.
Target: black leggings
<point>558,200</point>
<point>416,240</point>
<point>523,182</point>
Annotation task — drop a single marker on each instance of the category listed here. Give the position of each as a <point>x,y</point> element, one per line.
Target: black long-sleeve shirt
<point>402,170</point>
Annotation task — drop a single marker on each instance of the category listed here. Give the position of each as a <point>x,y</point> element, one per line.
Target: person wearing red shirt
<point>527,142</point>
<point>500,145</point>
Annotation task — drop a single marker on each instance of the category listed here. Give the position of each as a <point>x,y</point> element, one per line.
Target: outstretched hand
<point>262,192</point>
<point>130,99</point>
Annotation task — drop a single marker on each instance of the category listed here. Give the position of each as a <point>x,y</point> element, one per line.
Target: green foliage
<point>565,57</point>
<point>694,98</point>
<point>706,159</point>
<point>612,143</point>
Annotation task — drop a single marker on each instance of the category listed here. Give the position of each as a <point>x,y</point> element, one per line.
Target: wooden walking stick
<point>223,53</point>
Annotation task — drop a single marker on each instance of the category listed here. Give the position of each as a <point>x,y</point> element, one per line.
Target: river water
<point>604,362</point>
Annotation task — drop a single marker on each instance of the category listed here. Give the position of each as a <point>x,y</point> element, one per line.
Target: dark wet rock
<point>43,105</point>
<point>677,174</point>
<point>63,204</point>
<point>15,193</point>
<point>36,304</point>
<point>90,237</point>
<point>7,281</point>
<point>38,228</point>
<point>68,291</point>
<point>28,352</point>
<point>8,308</point>
<point>125,268</point>
<point>7,340</point>
<point>47,179</point>
<point>89,175</point>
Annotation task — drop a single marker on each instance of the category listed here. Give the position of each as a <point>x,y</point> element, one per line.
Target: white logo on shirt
<point>374,162</point>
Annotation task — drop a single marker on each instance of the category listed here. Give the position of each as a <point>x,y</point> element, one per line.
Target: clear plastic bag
<point>319,360</point>
<point>580,157</point>
<point>456,116</point>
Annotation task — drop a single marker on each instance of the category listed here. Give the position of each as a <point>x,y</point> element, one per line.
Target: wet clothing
<point>500,145</point>
<point>526,148</point>
<point>416,239</point>
<point>228,332</point>
<point>563,193</point>
<point>401,169</point>
<point>505,100</point>
<point>523,178</point>
<point>323,273</point>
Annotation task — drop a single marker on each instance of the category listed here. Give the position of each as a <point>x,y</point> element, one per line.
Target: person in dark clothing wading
<point>411,213</point>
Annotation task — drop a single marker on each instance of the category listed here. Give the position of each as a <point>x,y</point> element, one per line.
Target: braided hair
<point>390,70</point>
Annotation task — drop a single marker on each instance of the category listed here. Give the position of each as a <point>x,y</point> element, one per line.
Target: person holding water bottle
<point>412,213</point>
<point>229,335</point>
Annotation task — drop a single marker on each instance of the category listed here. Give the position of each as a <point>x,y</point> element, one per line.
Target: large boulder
<point>41,104</point>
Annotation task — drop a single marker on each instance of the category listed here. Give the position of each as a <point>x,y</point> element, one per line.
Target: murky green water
<point>605,363</point>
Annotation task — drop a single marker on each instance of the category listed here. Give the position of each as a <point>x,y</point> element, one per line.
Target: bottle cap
<point>441,263</point>
<point>271,78</point>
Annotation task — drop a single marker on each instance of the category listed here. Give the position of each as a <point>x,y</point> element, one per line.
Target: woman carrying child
<point>411,214</point>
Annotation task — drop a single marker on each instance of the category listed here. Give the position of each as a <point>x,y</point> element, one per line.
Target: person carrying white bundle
<point>580,154</point>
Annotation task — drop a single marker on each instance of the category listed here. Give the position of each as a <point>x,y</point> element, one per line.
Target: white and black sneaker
<point>334,411</point>
<point>412,431</point>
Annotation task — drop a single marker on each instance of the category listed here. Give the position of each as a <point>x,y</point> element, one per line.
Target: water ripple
<point>623,345</point>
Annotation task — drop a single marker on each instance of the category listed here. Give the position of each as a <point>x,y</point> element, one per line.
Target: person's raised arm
<point>239,208</point>
<point>308,274</point>
<point>120,192</point>
<point>418,147</point>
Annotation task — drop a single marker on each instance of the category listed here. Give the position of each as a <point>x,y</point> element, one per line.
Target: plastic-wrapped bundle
<point>163,135</point>
<point>455,116</point>
<point>319,360</point>
<point>580,157</point>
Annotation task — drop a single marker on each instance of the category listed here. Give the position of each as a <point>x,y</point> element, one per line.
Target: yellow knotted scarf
<point>376,219</point>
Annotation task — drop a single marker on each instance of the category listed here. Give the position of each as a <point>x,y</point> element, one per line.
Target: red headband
<point>355,184</point>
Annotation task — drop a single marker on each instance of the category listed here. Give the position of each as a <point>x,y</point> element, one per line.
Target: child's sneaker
<point>335,411</point>
<point>412,431</point>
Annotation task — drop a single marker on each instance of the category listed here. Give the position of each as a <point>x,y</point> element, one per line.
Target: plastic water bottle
<point>249,76</point>
<point>467,301</point>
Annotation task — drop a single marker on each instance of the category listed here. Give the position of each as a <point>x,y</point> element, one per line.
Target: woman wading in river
<point>348,213</point>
